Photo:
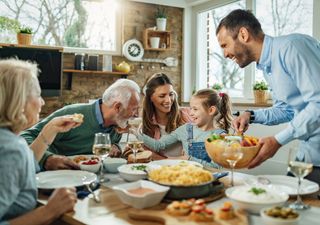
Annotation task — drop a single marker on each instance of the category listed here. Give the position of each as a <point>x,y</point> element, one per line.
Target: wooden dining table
<point>112,211</point>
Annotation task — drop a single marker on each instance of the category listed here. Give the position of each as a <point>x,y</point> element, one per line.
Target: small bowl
<point>129,173</point>
<point>140,201</point>
<point>93,168</point>
<point>270,220</point>
<point>244,199</point>
<point>112,164</point>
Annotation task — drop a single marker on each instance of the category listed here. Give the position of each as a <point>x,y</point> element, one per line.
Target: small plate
<point>289,184</point>
<point>64,178</point>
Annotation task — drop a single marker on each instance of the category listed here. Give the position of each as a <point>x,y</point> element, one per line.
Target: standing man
<point>291,66</point>
<point>119,102</point>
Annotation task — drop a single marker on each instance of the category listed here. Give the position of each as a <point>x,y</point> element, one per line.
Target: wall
<point>136,17</point>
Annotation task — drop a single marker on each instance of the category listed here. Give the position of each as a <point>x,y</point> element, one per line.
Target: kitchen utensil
<point>91,187</point>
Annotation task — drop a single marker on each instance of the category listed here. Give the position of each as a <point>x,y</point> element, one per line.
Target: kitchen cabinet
<point>165,39</point>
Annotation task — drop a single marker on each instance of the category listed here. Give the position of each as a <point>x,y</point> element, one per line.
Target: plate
<point>171,162</point>
<point>85,157</point>
<point>289,184</point>
<point>64,178</point>
<point>129,172</point>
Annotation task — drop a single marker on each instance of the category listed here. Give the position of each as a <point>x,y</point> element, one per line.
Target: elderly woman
<point>161,112</point>
<point>20,105</point>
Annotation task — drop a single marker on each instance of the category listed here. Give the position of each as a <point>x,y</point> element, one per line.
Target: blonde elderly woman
<point>20,105</point>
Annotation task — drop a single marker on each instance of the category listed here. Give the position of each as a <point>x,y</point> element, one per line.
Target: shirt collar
<point>265,58</point>
<point>99,116</point>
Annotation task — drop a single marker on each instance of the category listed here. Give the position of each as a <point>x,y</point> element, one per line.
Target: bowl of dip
<point>254,198</point>
<point>279,216</point>
<point>141,194</point>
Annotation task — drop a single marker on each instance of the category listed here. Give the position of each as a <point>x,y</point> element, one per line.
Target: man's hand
<point>269,147</point>
<point>115,151</point>
<point>58,162</point>
<point>241,123</point>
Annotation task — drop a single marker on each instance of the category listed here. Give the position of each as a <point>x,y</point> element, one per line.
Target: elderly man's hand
<point>269,147</point>
<point>115,151</point>
<point>58,162</point>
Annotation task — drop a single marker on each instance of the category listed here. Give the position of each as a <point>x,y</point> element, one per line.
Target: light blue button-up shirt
<point>291,66</point>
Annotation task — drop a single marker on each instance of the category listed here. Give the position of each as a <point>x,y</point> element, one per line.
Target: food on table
<point>184,174</point>
<point>281,212</point>
<point>246,140</point>
<point>177,208</point>
<point>201,213</point>
<point>141,157</point>
<point>226,212</point>
<point>90,162</point>
<point>80,158</point>
<point>139,167</point>
<point>140,191</point>
<point>77,117</point>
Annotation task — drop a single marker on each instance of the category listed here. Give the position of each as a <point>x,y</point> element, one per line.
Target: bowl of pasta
<point>185,180</point>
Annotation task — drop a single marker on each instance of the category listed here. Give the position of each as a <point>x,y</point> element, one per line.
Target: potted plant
<point>217,87</point>
<point>161,18</point>
<point>24,35</point>
<point>260,90</point>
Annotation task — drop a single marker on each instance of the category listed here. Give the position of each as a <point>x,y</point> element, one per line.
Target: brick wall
<point>136,17</point>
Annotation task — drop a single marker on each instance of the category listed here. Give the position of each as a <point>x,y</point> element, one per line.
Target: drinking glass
<point>136,142</point>
<point>101,148</point>
<point>232,153</point>
<point>300,170</point>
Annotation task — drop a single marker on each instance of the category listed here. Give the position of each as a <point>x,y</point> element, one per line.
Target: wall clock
<point>133,50</point>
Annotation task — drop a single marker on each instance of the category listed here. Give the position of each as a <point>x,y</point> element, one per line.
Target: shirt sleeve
<point>302,61</point>
<point>164,141</point>
<point>280,112</point>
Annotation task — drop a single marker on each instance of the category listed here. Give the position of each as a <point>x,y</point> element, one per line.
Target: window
<point>277,17</point>
<point>89,24</point>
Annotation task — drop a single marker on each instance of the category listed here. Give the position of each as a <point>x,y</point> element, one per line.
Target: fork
<point>95,196</point>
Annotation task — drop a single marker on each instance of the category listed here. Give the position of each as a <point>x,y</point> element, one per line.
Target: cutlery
<point>91,187</point>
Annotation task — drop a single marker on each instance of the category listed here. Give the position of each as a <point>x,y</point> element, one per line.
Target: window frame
<point>191,70</point>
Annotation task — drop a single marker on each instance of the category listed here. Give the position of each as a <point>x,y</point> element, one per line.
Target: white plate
<point>64,178</point>
<point>171,162</point>
<point>289,184</point>
<point>239,178</point>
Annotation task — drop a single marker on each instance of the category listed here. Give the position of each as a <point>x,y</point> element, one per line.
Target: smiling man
<point>291,66</point>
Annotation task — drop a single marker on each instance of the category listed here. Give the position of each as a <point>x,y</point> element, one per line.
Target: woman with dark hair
<point>161,112</point>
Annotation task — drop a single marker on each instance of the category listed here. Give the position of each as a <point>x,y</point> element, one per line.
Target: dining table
<point>112,211</point>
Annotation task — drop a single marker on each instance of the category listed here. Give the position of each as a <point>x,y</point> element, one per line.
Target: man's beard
<point>122,123</point>
<point>243,54</point>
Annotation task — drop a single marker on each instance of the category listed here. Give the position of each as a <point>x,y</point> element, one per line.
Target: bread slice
<point>141,157</point>
<point>78,117</point>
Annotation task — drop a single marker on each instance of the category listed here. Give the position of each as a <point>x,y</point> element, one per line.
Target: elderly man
<point>119,102</point>
<point>291,66</point>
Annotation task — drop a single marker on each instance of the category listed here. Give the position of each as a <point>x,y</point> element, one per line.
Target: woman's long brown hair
<point>174,116</point>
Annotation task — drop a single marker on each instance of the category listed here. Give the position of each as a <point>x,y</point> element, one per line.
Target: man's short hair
<point>122,91</point>
<point>240,18</point>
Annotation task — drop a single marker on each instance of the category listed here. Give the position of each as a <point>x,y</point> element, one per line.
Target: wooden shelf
<point>165,38</point>
<point>70,72</point>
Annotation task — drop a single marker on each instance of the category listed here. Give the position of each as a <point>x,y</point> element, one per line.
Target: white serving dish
<point>93,168</point>
<point>128,173</point>
<point>241,196</point>
<point>112,164</point>
<point>269,220</point>
<point>141,201</point>
<point>172,162</point>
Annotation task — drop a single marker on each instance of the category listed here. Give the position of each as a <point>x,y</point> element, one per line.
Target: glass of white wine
<point>300,169</point>
<point>101,148</point>
<point>232,153</point>
<point>135,143</point>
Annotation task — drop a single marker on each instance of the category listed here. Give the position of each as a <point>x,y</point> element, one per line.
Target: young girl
<point>211,113</point>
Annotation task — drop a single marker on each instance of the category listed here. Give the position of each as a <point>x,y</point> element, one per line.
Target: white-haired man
<point>119,102</point>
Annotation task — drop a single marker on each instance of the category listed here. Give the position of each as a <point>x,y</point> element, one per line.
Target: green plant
<point>161,13</point>
<point>262,86</point>
<point>8,24</point>
<point>25,30</point>
<point>217,87</point>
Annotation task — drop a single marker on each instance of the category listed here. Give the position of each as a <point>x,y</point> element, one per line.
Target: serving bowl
<point>133,172</point>
<point>276,219</point>
<point>253,199</point>
<point>215,151</point>
<point>112,164</point>
<point>141,194</point>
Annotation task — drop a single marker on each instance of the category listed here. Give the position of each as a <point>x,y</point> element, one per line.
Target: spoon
<point>263,180</point>
<point>91,186</point>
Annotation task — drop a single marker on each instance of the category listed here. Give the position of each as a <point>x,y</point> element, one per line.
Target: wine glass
<point>300,169</point>
<point>101,148</point>
<point>136,142</point>
<point>232,153</point>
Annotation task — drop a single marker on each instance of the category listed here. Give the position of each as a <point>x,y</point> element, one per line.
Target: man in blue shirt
<point>291,66</point>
